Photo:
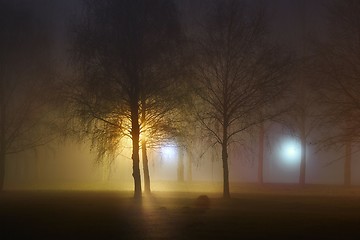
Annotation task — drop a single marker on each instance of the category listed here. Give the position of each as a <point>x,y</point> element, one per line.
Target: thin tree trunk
<point>190,160</point>
<point>347,164</point>
<point>261,154</point>
<point>302,175</point>
<point>180,172</point>
<point>135,134</point>
<point>2,137</point>
<point>145,160</point>
<point>226,187</point>
<point>226,190</point>
<point>2,169</point>
<point>2,142</point>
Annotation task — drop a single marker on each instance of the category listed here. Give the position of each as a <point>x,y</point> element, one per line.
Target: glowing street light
<point>169,152</point>
<point>290,152</point>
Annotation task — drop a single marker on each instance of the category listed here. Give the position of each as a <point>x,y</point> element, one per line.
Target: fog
<point>179,119</point>
<point>70,164</point>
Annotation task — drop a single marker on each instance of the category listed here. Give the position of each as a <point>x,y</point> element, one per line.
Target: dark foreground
<point>114,215</point>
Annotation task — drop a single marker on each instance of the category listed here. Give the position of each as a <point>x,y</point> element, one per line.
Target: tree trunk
<point>2,135</point>
<point>302,174</point>
<point>180,172</point>
<point>226,190</point>
<point>189,167</point>
<point>135,134</point>
<point>144,148</point>
<point>145,160</point>
<point>261,154</point>
<point>347,164</point>
<point>2,169</point>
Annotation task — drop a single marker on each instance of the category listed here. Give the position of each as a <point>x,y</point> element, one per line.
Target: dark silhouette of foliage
<point>126,52</point>
<point>236,74</point>
<point>337,65</point>
<point>25,79</point>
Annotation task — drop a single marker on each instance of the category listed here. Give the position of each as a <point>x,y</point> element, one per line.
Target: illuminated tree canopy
<point>126,54</point>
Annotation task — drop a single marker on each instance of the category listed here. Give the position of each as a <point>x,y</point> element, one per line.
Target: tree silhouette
<point>24,79</point>
<point>302,97</point>
<point>125,52</point>
<point>237,73</point>
<point>337,65</point>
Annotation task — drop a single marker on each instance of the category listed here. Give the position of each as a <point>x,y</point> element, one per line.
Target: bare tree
<point>123,50</point>
<point>237,73</point>
<point>302,116</point>
<point>24,77</point>
<point>338,66</point>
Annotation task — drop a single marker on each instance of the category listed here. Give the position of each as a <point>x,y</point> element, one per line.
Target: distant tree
<point>190,141</point>
<point>262,131</point>
<point>24,80</point>
<point>303,117</point>
<point>302,97</point>
<point>273,112</point>
<point>126,53</point>
<point>237,73</point>
<point>338,66</point>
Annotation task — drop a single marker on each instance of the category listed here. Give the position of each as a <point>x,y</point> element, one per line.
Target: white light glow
<point>290,152</point>
<point>169,152</point>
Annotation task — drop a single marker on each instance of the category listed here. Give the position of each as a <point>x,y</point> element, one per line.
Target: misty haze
<point>179,119</point>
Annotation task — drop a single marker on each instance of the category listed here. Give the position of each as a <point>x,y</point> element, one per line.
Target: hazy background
<point>69,164</point>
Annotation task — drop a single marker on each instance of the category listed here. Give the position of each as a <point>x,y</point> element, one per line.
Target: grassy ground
<point>260,213</point>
